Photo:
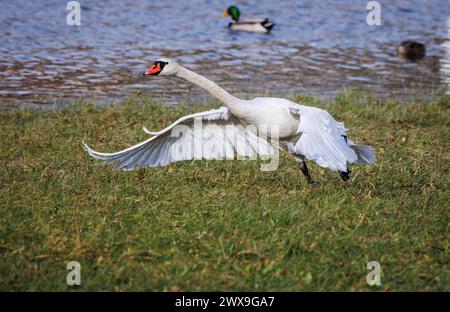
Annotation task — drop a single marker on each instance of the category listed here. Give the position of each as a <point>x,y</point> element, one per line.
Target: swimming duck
<point>411,50</point>
<point>261,26</point>
<point>303,131</point>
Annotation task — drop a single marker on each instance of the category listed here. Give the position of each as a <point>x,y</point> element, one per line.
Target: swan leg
<point>304,170</point>
<point>345,175</point>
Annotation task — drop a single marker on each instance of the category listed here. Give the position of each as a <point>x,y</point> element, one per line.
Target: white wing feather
<point>322,139</point>
<point>222,136</point>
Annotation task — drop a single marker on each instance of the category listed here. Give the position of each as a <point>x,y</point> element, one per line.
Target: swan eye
<point>160,63</point>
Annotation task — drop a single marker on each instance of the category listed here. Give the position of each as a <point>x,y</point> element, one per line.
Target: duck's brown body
<point>411,50</point>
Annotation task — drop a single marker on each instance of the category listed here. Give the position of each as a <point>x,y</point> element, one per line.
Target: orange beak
<point>156,69</point>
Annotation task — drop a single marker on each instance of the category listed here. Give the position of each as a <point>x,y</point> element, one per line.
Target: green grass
<point>222,225</point>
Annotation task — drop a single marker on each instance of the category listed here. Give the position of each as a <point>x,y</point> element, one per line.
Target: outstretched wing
<point>322,139</point>
<point>214,134</point>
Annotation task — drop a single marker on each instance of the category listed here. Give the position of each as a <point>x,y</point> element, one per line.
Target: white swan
<point>305,132</point>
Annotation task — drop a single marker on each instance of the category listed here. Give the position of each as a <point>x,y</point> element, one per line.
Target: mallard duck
<point>261,26</point>
<point>306,132</point>
<point>411,49</point>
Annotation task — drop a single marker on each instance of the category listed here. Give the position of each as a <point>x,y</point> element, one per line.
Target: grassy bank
<point>222,225</point>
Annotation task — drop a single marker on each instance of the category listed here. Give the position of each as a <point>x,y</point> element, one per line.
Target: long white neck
<point>213,88</point>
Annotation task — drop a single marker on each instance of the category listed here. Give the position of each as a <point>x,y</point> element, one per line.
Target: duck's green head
<point>233,11</point>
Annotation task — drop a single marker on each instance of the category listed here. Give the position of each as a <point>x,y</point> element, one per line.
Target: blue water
<point>317,47</point>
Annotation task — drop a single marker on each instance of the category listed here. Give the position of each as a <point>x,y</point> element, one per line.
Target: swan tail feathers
<point>365,154</point>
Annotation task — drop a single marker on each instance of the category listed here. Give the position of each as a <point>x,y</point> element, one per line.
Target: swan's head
<point>164,67</point>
